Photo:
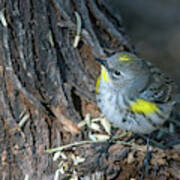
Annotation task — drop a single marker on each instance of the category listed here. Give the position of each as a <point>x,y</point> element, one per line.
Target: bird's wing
<point>161,88</point>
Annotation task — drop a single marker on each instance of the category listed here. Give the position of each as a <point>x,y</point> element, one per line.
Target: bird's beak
<point>101,61</point>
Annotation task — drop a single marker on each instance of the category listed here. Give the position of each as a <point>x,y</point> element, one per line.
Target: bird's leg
<point>147,156</point>
<point>145,164</point>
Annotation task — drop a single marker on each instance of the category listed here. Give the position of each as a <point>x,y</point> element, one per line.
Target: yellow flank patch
<point>144,107</point>
<point>125,57</point>
<point>104,74</point>
<point>97,84</point>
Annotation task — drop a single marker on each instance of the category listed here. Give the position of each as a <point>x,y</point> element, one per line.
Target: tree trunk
<point>48,82</point>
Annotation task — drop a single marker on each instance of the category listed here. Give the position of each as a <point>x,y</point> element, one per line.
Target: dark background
<point>154,28</point>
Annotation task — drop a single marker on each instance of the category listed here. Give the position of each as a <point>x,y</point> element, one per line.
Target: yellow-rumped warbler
<point>133,94</point>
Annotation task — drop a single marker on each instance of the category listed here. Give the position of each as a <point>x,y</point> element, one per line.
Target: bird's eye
<point>117,73</point>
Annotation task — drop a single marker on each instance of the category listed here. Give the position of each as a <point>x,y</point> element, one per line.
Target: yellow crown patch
<point>143,107</point>
<point>125,57</point>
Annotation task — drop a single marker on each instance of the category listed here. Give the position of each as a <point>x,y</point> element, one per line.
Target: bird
<point>133,94</point>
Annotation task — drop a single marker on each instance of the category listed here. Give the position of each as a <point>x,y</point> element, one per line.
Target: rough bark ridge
<point>45,81</point>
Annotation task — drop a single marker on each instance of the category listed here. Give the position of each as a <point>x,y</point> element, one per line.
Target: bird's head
<point>124,69</point>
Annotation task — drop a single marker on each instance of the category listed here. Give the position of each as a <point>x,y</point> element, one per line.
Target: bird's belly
<point>109,105</point>
<point>116,111</point>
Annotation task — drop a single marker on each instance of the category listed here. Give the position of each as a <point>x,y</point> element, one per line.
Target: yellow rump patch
<point>104,74</point>
<point>144,107</point>
<point>125,57</point>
